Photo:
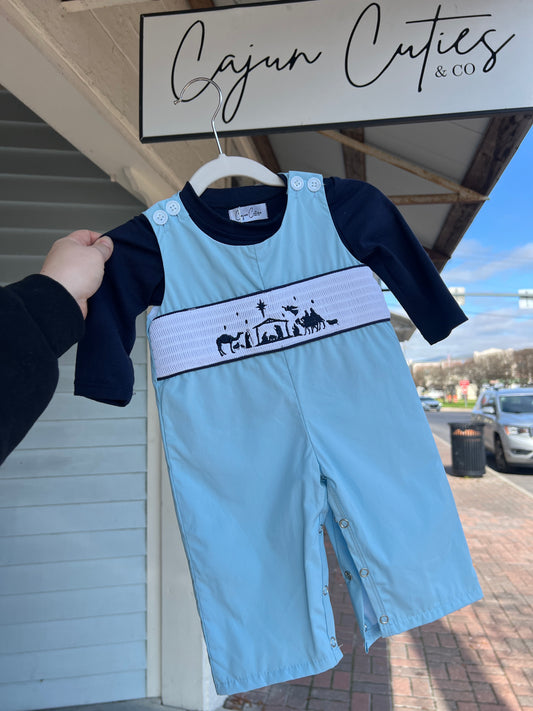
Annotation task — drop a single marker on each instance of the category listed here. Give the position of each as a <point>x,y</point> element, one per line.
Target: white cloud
<point>504,328</point>
<point>481,264</point>
<point>471,248</point>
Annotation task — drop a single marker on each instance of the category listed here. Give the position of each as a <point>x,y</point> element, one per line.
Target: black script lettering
<point>491,61</point>
<point>195,25</point>
<point>371,51</point>
<point>231,63</point>
<point>455,43</point>
<point>236,93</point>
<point>399,51</point>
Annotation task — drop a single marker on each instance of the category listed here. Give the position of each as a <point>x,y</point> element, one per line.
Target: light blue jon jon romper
<point>286,406</point>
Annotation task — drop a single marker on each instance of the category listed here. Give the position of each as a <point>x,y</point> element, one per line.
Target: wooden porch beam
<point>404,164</point>
<point>432,199</point>
<point>84,5</point>
<point>266,153</point>
<point>502,138</point>
<point>354,161</point>
<point>201,4</point>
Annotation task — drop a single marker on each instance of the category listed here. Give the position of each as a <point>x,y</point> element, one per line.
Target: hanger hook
<point>210,81</point>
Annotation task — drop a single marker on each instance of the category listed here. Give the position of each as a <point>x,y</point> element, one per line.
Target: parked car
<point>430,404</point>
<point>508,431</point>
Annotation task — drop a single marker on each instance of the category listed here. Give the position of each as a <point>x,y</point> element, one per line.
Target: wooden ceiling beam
<point>84,5</point>
<point>266,153</point>
<point>354,161</point>
<point>201,4</point>
<point>407,165</point>
<point>432,199</point>
<point>502,138</point>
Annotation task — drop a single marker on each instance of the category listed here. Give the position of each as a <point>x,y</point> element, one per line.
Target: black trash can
<point>468,448</point>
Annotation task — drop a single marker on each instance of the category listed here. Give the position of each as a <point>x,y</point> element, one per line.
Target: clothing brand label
<point>249,213</point>
<point>266,321</point>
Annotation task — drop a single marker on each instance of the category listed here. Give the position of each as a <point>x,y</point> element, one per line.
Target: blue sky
<point>495,255</point>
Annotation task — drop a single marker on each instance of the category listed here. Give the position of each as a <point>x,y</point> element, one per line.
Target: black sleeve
<point>39,321</point>
<point>375,232</point>
<point>133,280</point>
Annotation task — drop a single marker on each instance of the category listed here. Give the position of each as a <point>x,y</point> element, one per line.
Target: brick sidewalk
<point>476,659</point>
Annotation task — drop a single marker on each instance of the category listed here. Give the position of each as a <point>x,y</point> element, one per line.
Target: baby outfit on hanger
<point>287,407</point>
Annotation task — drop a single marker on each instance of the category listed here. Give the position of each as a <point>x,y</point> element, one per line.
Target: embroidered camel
<point>227,338</point>
<point>311,322</point>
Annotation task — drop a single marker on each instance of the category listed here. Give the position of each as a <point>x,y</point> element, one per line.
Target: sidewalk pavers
<point>479,658</point>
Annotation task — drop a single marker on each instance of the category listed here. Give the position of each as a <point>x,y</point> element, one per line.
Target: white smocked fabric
<point>231,330</point>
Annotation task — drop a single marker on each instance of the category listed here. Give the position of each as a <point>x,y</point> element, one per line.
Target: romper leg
<point>364,612</point>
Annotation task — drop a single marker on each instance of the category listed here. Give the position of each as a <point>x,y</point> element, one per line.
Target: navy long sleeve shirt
<point>368,224</point>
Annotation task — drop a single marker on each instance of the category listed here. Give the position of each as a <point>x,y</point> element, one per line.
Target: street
<point>439,423</point>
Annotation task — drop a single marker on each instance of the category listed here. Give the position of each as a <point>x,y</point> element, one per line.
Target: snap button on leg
<point>344,523</point>
<point>333,642</point>
<point>383,619</point>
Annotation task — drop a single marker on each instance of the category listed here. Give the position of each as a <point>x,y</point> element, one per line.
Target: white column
<point>178,666</point>
<point>186,680</point>
<point>154,458</point>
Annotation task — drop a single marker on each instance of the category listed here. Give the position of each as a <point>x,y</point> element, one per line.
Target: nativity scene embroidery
<point>271,329</point>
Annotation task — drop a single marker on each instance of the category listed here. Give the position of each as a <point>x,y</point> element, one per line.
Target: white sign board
<point>458,293</point>
<point>525,298</point>
<point>318,63</point>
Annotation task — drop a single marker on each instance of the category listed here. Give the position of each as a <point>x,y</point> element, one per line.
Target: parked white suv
<point>508,431</point>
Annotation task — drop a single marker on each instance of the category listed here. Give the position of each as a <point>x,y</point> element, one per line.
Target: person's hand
<point>77,262</point>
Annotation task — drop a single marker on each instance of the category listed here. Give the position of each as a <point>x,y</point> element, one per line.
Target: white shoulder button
<point>160,217</point>
<point>297,182</point>
<point>173,207</point>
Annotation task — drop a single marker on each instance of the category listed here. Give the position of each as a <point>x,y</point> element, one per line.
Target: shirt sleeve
<point>133,280</point>
<point>39,321</point>
<point>375,232</point>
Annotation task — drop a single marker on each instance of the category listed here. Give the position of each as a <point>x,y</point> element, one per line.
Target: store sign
<point>316,63</point>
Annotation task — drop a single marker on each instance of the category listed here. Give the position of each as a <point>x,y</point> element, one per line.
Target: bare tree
<point>499,367</point>
<point>476,373</point>
<point>423,377</point>
<point>506,367</point>
<point>523,366</point>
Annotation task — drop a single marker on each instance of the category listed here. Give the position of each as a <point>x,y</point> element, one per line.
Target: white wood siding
<point>73,494</point>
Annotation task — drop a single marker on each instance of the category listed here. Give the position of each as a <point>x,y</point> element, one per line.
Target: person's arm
<point>375,232</point>
<point>41,317</point>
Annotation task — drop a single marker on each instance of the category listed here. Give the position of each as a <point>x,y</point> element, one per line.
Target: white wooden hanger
<point>225,166</point>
